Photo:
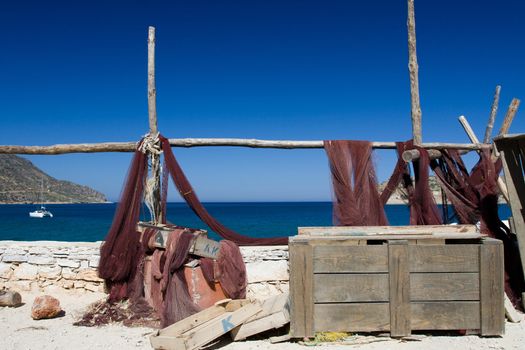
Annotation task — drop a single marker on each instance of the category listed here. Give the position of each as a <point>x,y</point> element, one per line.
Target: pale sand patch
<point>19,331</point>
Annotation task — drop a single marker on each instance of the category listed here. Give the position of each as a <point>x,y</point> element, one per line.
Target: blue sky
<point>75,72</point>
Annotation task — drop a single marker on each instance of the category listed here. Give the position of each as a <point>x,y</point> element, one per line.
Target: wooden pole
<point>208,142</point>
<point>414,79</point>
<point>509,117</point>
<point>413,154</point>
<point>472,136</point>
<point>153,184</point>
<point>492,117</point>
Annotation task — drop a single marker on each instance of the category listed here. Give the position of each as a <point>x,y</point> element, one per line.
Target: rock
<point>79,284</point>
<point>22,286</point>
<point>39,251</point>
<point>25,271</point>
<point>9,298</point>
<point>50,272</point>
<point>84,264</point>
<point>40,260</point>
<point>14,258</point>
<point>92,287</point>
<point>89,275</point>
<point>93,262</point>
<point>68,274</point>
<point>5,271</point>
<point>271,270</point>
<point>68,285</point>
<point>45,306</point>
<point>68,263</point>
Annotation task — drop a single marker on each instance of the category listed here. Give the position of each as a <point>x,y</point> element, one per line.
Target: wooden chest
<point>396,283</point>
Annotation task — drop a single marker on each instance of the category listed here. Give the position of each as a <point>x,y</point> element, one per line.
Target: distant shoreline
<point>53,203</point>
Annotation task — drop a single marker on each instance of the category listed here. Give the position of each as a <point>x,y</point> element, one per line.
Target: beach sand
<point>19,331</point>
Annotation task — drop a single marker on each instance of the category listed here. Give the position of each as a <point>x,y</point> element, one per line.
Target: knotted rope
<point>150,146</point>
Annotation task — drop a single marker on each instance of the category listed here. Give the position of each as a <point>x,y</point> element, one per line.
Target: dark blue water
<point>90,222</point>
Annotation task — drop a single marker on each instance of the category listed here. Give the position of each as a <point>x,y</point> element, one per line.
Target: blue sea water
<point>90,222</point>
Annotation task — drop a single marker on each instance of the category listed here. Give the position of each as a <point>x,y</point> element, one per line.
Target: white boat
<point>42,212</point>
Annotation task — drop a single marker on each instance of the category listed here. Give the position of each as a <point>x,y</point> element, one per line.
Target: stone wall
<point>45,266</point>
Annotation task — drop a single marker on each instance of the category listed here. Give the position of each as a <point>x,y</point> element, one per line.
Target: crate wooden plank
<point>445,315</point>
<point>399,280</point>
<point>301,289</point>
<point>352,317</point>
<point>219,326</point>
<point>491,285</point>
<point>444,286</point>
<point>167,342</point>
<point>445,258</point>
<point>273,321</point>
<point>387,230</point>
<point>350,288</point>
<point>361,259</point>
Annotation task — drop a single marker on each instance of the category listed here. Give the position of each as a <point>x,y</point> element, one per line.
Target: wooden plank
<point>491,288</point>
<point>444,286</point>
<point>219,326</point>
<point>510,312</point>
<point>352,317</point>
<point>167,342</point>
<point>516,187</point>
<point>445,258</point>
<point>343,258</point>
<point>346,239</point>
<point>203,246</point>
<point>399,281</point>
<point>445,315</point>
<point>385,230</point>
<point>276,303</point>
<point>273,321</point>
<point>301,290</point>
<point>350,288</point>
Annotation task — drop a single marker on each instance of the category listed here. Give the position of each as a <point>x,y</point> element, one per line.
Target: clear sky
<point>75,72</point>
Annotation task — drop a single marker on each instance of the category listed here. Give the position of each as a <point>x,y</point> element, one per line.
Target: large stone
<point>40,260</point>
<point>39,251</point>
<point>94,261</point>
<point>15,251</point>
<point>45,306</point>
<point>272,270</point>
<point>10,298</point>
<point>21,286</point>
<point>68,263</point>
<point>5,271</point>
<point>89,275</point>
<point>69,274</point>
<point>50,272</point>
<point>25,271</point>
<point>14,258</point>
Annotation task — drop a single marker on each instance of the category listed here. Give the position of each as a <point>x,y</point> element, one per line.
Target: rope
<point>151,146</point>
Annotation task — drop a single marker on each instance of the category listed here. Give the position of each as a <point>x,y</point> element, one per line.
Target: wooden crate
<point>366,284</point>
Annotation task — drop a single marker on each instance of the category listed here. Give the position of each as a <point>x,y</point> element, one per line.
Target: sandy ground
<point>19,331</point>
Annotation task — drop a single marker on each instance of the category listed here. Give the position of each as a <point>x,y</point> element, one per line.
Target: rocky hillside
<point>400,194</point>
<point>20,182</point>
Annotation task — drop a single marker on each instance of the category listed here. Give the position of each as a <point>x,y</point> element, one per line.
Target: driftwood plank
<point>334,258</point>
<point>274,321</point>
<point>350,288</point>
<point>446,258</point>
<point>444,286</point>
<point>491,285</point>
<point>386,230</point>
<point>399,280</point>
<point>445,315</point>
<point>352,317</point>
<point>301,290</point>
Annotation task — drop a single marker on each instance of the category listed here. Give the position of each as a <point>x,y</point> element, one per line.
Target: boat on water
<point>42,212</point>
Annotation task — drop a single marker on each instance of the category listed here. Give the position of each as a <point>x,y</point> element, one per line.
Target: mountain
<point>20,182</point>
<point>400,195</point>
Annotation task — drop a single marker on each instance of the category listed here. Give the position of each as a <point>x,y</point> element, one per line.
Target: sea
<point>91,222</point>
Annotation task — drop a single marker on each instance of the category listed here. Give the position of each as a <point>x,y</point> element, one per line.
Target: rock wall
<point>50,266</point>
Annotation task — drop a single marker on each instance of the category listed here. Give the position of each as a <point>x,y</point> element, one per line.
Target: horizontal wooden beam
<point>204,142</point>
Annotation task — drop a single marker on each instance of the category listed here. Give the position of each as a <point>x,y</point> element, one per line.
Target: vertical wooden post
<point>492,118</point>
<point>301,289</point>
<point>509,117</point>
<point>399,281</point>
<point>153,130</point>
<point>414,79</point>
<point>491,287</point>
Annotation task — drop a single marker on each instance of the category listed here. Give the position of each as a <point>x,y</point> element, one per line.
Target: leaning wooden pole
<point>492,117</point>
<point>152,195</point>
<point>414,79</point>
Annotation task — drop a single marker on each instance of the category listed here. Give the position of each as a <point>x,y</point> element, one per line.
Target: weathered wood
<point>388,230</point>
<point>301,289</point>
<point>413,68</point>
<point>492,117</point>
<point>509,116</point>
<point>447,258</point>
<point>350,288</point>
<point>205,142</point>
<point>10,298</point>
<point>152,90</point>
<point>472,135</point>
<point>512,166</point>
<point>413,154</point>
<point>491,288</point>
<point>350,259</point>
<point>445,315</point>
<point>444,286</point>
<point>352,317</point>
<point>399,281</point>
<point>510,312</point>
